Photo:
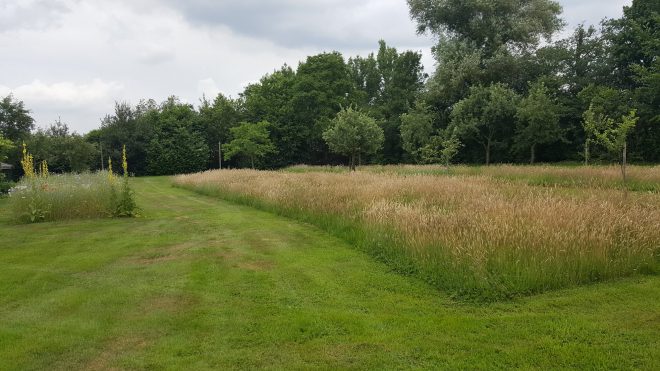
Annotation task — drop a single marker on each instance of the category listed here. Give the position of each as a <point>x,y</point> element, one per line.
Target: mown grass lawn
<point>197,283</point>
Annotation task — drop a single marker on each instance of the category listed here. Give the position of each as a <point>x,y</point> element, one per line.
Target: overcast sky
<point>73,59</point>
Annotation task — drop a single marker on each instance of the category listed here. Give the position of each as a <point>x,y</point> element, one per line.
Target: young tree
<point>593,123</point>
<point>538,120</point>
<point>250,140</point>
<point>416,130</point>
<point>441,149</point>
<point>615,137</point>
<point>353,133</point>
<point>485,115</point>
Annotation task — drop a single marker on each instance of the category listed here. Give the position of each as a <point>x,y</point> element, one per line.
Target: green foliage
<point>6,146</point>
<point>488,24</point>
<point>486,116</point>
<point>441,149</point>
<point>64,151</point>
<point>537,120</point>
<point>614,134</point>
<point>176,147</point>
<point>251,141</point>
<point>416,130</point>
<point>354,133</point>
<point>214,123</point>
<point>15,120</point>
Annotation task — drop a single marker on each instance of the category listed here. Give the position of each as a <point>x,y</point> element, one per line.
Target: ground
<point>198,283</point>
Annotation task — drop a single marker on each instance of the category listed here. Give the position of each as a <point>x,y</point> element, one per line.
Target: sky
<point>72,59</point>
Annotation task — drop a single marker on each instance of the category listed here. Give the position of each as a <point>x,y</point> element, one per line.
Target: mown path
<point>197,283</point>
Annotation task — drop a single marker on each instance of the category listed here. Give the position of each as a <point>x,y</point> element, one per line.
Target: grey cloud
<point>31,14</point>
<point>329,24</point>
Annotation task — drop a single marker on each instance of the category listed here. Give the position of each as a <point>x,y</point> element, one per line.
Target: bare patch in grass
<point>114,349</point>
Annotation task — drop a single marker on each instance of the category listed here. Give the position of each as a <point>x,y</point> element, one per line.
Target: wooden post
<point>220,155</point>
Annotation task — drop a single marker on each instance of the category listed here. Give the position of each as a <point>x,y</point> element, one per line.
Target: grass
<point>478,238</point>
<point>198,283</point>
<point>70,196</point>
<point>640,178</point>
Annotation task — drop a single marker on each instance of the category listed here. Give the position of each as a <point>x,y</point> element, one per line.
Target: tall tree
<point>272,99</point>
<point>486,116</point>
<point>323,85</point>
<point>15,120</point>
<point>215,119</point>
<point>176,146</point>
<point>538,121</point>
<point>488,24</point>
<point>416,130</point>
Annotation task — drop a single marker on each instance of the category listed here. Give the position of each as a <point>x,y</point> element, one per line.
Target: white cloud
<point>66,93</point>
<point>75,58</point>
<point>208,87</point>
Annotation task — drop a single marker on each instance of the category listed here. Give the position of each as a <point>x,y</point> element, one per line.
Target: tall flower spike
<point>124,162</point>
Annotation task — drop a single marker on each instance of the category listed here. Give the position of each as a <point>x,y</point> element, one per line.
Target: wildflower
<point>27,162</point>
<point>124,162</point>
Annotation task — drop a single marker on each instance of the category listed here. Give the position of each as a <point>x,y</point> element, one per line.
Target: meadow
<point>200,283</point>
<point>480,234</point>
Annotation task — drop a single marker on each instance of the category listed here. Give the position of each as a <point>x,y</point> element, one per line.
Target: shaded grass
<point>197,283</point>
<point>474,237</point>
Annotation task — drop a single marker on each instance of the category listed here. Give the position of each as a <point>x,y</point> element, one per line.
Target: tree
<point>251,141</point>
<point>6,146</point>
<point>15,120</point>
<point>485,116</point>
<point>176,147</point>
<point>593,122</point>
<point>352,134</point>
<point>64,151</point>
<point>416,130</point>
<point>272,100</point>
<point>537,120</point>
<point>488,24</point>
<point>215,119</point>
<point>441,149</point>
<point>322,86</point>
<point>615,137</point>
<point>133,127</point>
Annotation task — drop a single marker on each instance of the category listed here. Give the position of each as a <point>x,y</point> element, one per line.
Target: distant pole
<point>220,155</point>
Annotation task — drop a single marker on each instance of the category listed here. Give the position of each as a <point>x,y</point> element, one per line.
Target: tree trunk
<point>532,154</point>
<point>586,153</point>
<point>352,162</point>
<point>252,162</point>
<point>624,162</point>
<point>487,152</point>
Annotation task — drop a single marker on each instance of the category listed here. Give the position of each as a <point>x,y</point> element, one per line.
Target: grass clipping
<point>475,236</point>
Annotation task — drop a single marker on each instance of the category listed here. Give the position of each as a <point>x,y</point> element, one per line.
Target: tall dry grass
<point>472,235</point>
<point>640,178</point>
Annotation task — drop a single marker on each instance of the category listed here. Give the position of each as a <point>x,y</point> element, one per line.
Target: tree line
<point>501,91</point>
